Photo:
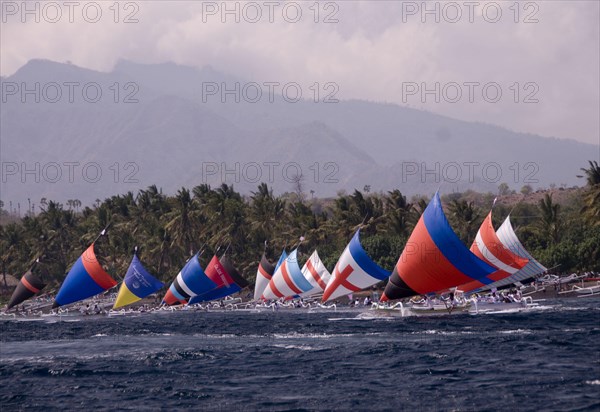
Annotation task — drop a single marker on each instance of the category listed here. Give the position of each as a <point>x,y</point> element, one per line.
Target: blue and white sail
<point>288,280</point>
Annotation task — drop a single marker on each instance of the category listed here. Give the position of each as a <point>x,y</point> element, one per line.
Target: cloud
<point>373,52</point>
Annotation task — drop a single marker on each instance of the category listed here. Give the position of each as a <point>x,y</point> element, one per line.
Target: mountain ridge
<point>172,136</point>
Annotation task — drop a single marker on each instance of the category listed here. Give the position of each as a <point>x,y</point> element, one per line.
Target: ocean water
<point>545,359</point>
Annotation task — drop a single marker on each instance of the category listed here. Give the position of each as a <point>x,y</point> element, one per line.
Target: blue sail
<point>138,284</point>
<point>191,281</point>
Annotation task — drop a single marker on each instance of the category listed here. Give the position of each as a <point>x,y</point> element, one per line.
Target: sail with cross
<point>354,271</point>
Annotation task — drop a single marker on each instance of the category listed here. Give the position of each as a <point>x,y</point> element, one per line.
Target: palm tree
<point>592,174</point>
<point>396,220</point>
<point>419,206</point>
<point>12,244</point>
<point>465,217</point>
<point>591,196</point>
<point>549,223</point>
<point>182,222</point>
<point>61,229</point>
<point>266,214</point>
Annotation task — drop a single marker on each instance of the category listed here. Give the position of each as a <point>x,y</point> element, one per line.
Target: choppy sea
<point>544,359</point>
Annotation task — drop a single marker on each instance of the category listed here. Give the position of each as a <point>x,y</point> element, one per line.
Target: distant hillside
<point>161,131</point>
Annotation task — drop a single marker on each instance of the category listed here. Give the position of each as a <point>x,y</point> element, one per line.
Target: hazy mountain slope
<point>151,126</point>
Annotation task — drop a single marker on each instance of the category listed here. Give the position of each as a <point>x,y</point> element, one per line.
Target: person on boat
<point>450,299</point>
<point>516,295</point>
<point>418,300</point>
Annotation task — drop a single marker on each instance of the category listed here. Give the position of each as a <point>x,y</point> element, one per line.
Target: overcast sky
<point>548,51</point>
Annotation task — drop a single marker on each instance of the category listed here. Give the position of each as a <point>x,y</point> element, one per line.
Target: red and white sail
<point>488,247</point>
<point>316,274</point>
<point>509,239</point>
<point>263,276</point>
<point>288,280</point>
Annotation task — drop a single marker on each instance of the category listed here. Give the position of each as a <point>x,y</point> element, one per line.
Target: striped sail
<point>434,259</point>
<point>85,279</point>
<point>283,256</point>
<point>488,247</point>
<point>509,239</point>
<point>263,276</point>
<point>137,284</point>
<point>28,286</point>
<point>226,278</point>
<point>354,271</point>
<point>316,273</point>
<point>190,281</point>
<point>288,280</point>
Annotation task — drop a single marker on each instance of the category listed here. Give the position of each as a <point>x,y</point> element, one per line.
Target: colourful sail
<point>28,286</point>
<point>354,271</point>
<point>488,247</point>
<point>434,259</point>
<point>190,281</point>
<point>225,276</point>
<point>85,279</point>
<point>316,273</point>
<point>282,258</point>
<point>509,239</point>
<point>263,276</point>
<point>138,284</point>
<point>288,280</point>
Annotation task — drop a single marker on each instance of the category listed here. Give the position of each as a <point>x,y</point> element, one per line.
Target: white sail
<point>288,280</point>
<point>509,238</point>
<point>263,277</point>
<point>316,274</point>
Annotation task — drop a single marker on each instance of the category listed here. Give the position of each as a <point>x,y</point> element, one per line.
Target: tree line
<point>169,229</point>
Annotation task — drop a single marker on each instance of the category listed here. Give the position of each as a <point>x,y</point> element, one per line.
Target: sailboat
<point>191,281</point>
<point>28,286</point>
<point>434,259</point>
<point>137,284</point>
<point>509,239</point>
<point>85,279</point>
<point>316,274</point>
<point>264,274</point>
<point>283,256</point>
<point>354,271</point>
<point>489,248</point>
<point>288,280</point>
<point>226,278</point>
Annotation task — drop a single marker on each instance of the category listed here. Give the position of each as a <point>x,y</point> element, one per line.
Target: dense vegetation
<point>168,229</point>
